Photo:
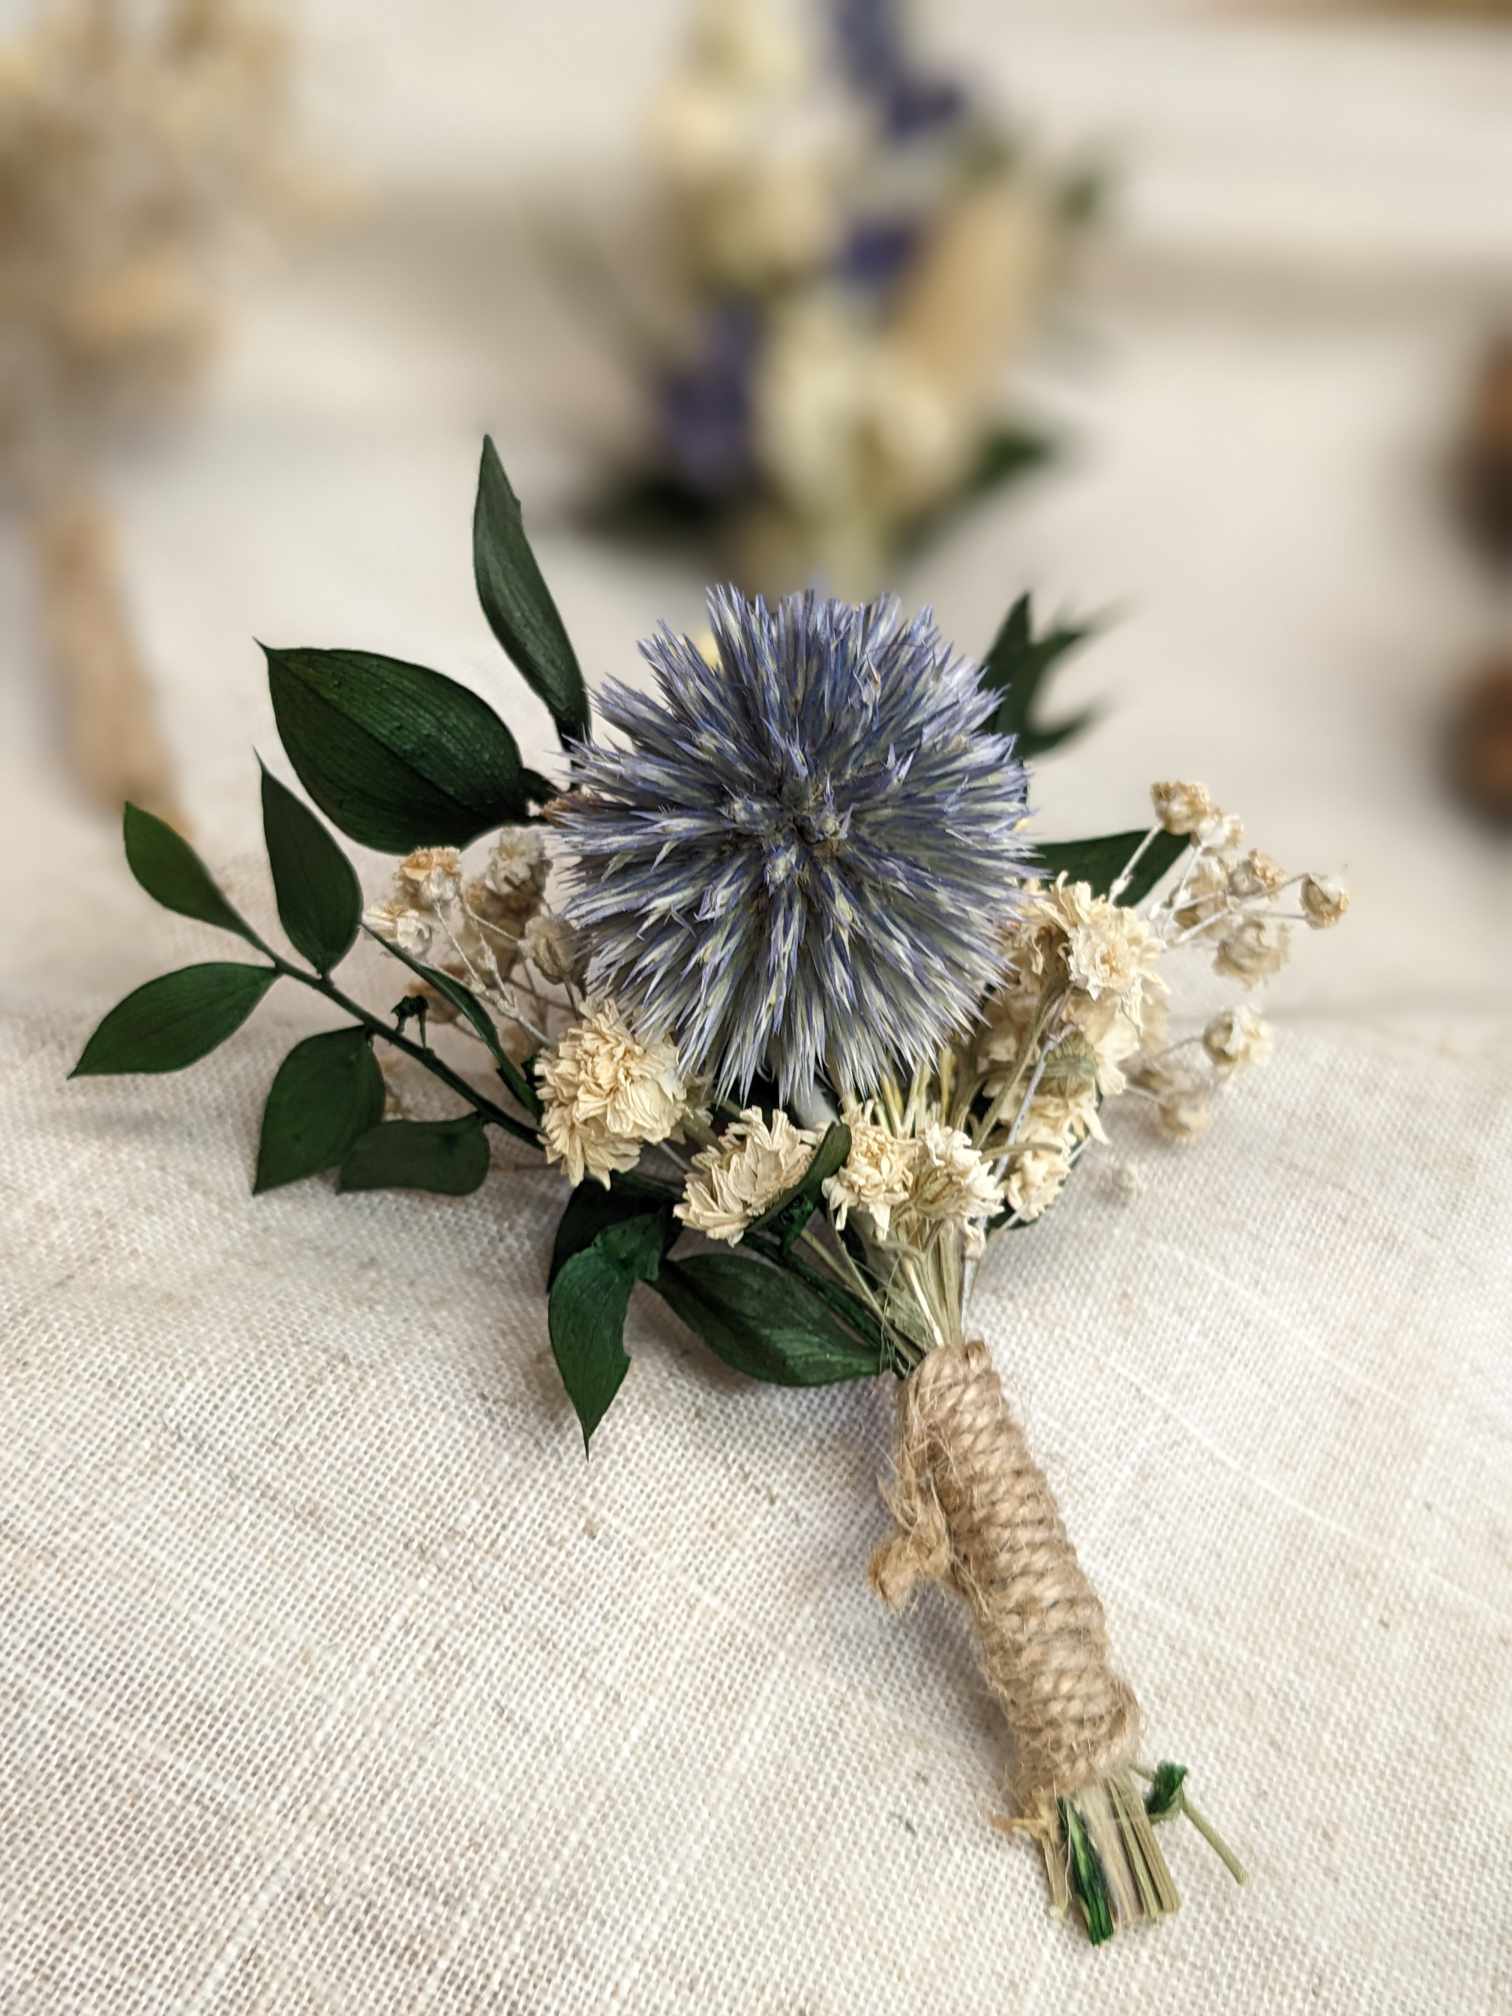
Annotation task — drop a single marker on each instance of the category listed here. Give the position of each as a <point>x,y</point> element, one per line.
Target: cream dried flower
<point>1182,808</point>
<point>1108,949</point>
<point>1256,875</point>
<point>1257,947</point>
<point>876,1175</point>
<point>1220,834</point>
<point>953,1187</point>
<point>550,944</point>
<point>1037,1172</point>
<point>607,1096</point>
<point>399,923</point>
<point>742,1174</point>
<point>1324,901</point>
<point>1186,1111</point>
<point>429,878</point>
<point>1237,1038</point>
<point>1205,891</point>
<point>517,861</point>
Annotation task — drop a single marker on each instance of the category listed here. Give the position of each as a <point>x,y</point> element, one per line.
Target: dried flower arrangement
<point>852,253</point>
<point>804,986</point>
<point>136,145</point>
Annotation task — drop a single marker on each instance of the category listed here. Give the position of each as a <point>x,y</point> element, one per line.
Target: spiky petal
<point>804,860</point>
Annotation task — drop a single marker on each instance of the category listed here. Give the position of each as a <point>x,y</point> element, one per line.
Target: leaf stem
<point>495,1115</point>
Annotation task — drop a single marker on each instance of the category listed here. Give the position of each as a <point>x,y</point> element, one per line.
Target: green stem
<point>495,1115</point>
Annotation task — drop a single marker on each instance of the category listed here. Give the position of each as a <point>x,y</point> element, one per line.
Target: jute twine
<point>974,1511</point>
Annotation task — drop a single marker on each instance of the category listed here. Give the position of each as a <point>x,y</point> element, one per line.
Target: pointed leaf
<point>1101,862</point>
<point>327,1092</point>
<point>518,603</point>
<point>763,1322</point>
<point>477,1016</point>
<point>592,1209</point>
<point>586,1313</point>
<point>319,896</point>
<point>447,1157</point>
<point>396,756</point>
<point>173,874</point>
<point>175,1020</point>
<point>1017,666</point>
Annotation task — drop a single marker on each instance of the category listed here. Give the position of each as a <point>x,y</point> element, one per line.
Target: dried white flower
<point>1186,1111</point>
<point>550,944</point>
<point>1204,892</point>
<point>953,1187</point>
<point>607,1096</point>
<point>1256,875</point>
<point>1108,949</point>
<point>743,1173</point>
<point>1221,833</point>
<point>430,877</point>
<point>1257,947</point>
<point>1323,901</point>
<point>517,861</point>
<point>397,923</point>
<point>1237,1038</point>
<point>1182,808</point>
<point>1037,1171</point>
<point>877,1174</point>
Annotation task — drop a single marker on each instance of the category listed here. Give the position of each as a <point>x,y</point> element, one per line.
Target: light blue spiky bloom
<point>803,861</point>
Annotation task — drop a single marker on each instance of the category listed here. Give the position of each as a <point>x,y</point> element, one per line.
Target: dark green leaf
<point>471,1008</point>
<point>327,1092</point>
<point>398,757</point>
<point>792,1211</point>
<point>449,1157</point>
<point>1164,1795</point>
<point>586,1312</point>
<point>173,874</point>
<point>1018,666</point>
<point>592,1209</point>
<point>319,896</point>
<point>518,603</point>
<point>175,1020</point>
<point>1101,862</point>
<point>763,1322</point>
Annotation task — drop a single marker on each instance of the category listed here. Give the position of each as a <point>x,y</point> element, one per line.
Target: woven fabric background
<point>332,1679</point>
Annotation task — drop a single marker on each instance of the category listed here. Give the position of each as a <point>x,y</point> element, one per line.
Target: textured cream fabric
<point>333,1679</point>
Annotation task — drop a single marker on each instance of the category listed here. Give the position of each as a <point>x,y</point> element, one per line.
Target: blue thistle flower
<point>804,860</point>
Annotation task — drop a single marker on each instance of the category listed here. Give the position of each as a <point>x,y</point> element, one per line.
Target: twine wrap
<point>974,1511</point>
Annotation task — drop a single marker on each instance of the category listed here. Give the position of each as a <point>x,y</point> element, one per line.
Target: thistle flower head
<point>804,860</point>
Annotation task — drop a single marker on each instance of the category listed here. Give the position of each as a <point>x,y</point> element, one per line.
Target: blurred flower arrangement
<point>139,146</point>
<point>802,984</point>
<point>852,253</point>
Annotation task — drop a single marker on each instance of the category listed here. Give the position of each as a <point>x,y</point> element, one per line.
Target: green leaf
<point>518,603</point>
<point>1018,666</point>
<point>175,1020</point>
<point>471,1008</point>
<point>763,1322</point>
<point>792,1211</point>
<point>586,1313</point>
<point>592,1209</point>
<point>326,1093</point>
<point>1101,862</point>
<point>319,896</point>
<point>396,756</point>
<point>173,874</point>
<point>1165,1795</point>
<point>448,1157</point>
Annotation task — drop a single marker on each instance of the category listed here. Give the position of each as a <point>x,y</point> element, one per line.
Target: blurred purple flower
<point>804,860</point>
<point>704,407</point>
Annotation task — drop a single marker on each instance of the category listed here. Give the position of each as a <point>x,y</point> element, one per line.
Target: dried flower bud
<point>1182,808</point>
<point>1323,901</point>
<point>1205,893</point>
<point>1221,834</point>
<point>1187,1113</point>
<point>1037,1171</point>
<point>1236,1038</point>
<point>517,861</point>
<point>430,877</point>
<point>551,945</point>
<point>396,924</point>
<point>1256,875</point>
<point>1257,947</point>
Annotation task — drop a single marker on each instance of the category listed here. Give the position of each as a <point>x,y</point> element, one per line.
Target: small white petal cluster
<point>1237,1038</point>
<point>1182,808</point>
<point>1255,949</point>
<point>953,1189</point>
<point>607,1096</point>
<point>1324,901</point>
<point>737,1178</point>
<point>550,944</point>
<point>876,1175</point>
<point>1037,1170</point>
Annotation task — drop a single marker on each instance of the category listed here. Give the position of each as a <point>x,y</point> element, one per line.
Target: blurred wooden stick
<point>109,719</point>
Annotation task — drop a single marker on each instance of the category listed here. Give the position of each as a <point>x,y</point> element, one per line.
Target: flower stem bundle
<point>781,982</point>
